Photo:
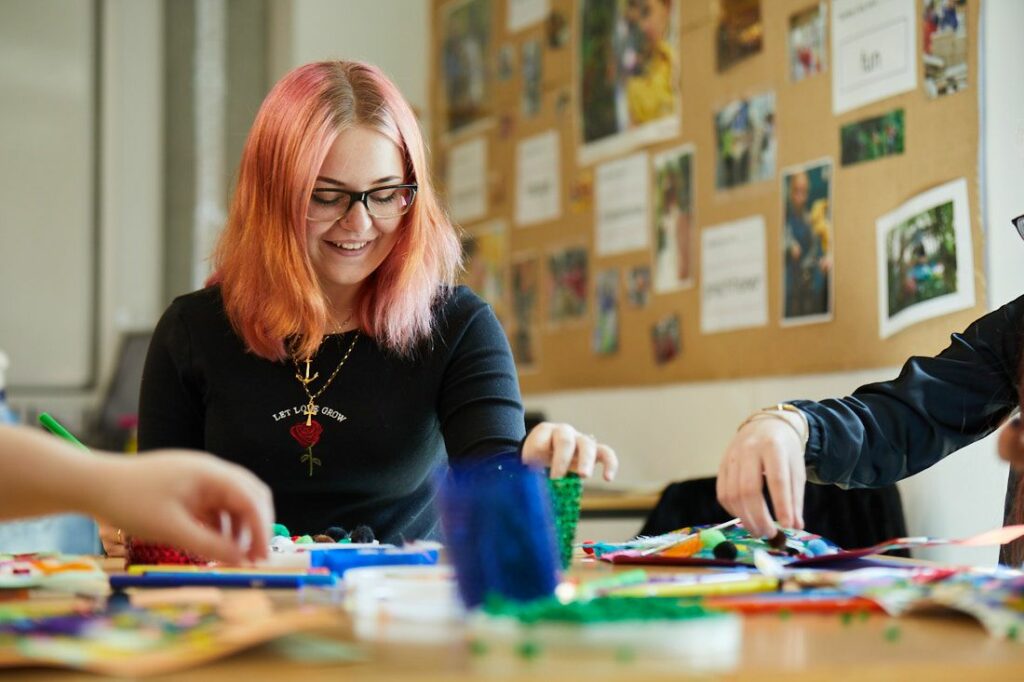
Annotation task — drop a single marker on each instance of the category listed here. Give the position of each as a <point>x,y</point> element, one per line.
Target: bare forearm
<point>40,474</point>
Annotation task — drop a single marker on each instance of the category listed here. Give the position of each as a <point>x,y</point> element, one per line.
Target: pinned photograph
<point>945,47</point>
<point>925,258</point>
<point>745,132</point>
<point>581,191</point>
<point>666,339</point>
<point>532,61</point>
<point>872,138</point>
<point>525,284</point>
<point>674,227</point>
<point>567,284</point>
<point>628,75</point>
<point>465,46</point>
<point>557,30</point>
<point>740,31</point>
<point>606,327</point>
<point>506,62</point>
<point>807,42</point>
<point>638,286</point>
<point>486,256</point>
<point>807,243</point>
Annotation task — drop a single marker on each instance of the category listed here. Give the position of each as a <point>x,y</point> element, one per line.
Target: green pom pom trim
<point>280,529</point>
<point>597,610</point>
<point>709,539</point>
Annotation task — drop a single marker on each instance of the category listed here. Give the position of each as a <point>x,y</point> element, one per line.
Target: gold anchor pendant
<point>305,381</point>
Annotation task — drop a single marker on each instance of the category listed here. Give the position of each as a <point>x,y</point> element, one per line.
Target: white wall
<point>392,34</point>
<point>47,202</point>
<point>131,198</point>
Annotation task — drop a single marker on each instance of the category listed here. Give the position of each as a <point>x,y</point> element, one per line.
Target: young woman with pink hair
<point>332,353</point>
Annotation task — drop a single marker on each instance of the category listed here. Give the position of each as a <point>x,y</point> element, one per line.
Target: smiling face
<point>347,251</point>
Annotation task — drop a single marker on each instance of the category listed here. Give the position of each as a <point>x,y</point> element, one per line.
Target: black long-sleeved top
<point>386,422</point>
<point>889,430</point>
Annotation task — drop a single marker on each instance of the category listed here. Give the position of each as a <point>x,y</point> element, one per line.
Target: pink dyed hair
<point>270,290</point>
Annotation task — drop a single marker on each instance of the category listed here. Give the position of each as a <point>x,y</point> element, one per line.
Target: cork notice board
<point>502,77</point>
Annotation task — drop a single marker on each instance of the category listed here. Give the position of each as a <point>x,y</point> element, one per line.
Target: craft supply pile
<point>516,586</point>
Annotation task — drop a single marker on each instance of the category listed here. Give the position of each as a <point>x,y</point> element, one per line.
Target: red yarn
<point>146,553</point>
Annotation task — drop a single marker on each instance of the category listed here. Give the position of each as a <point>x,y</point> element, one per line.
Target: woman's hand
<point>564,449</point>
<point>1011,444</point>
<point>189,500</point>
<point>764,448</point>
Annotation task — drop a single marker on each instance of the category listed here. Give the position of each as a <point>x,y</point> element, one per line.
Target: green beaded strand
<point>565,503</point>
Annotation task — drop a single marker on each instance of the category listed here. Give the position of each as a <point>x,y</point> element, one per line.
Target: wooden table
<point>609,504</point>
<point>797,647</point>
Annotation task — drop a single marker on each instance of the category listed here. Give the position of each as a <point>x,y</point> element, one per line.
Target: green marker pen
<point>54,427</point>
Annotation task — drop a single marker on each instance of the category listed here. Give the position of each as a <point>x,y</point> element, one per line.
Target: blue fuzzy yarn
<point>499,529</point>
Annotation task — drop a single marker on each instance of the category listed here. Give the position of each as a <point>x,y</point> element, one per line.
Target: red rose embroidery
<point>307,436</point>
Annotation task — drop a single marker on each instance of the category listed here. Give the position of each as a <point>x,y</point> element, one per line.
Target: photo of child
<point>606,327</point>
<point>944,47</point>
<point>740,31</point>
<point>638,286</point>
<point>922,258</point>
<point>807,43</point>
<point>466,40</point>
<point>925,261</point>
<point>629,75</point>
<point>673,219</point>
<point>567,284</point>
<point>486,257</point>
<point>531,96</point>
<point>807,243</point>
<point>525,279</point>
<point>745,132</point>
<point>666,339</point>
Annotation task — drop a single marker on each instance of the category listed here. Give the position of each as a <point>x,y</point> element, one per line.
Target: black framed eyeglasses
<point>328,204</point>
<point>1018,222</point>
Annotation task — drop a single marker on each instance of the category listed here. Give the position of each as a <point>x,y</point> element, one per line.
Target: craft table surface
<point>774,647</point>
<point>602,499</point>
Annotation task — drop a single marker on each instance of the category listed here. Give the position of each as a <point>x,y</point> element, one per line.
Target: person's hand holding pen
<point>769,445</point>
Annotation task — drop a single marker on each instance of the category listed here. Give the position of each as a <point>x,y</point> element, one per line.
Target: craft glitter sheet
<point>796,548</point>
<point>703,546</point>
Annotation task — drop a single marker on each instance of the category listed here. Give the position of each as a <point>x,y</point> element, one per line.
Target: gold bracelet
<point>775,412</point>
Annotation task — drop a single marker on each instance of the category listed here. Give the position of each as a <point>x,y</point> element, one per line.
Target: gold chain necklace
<point>306,380</point>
